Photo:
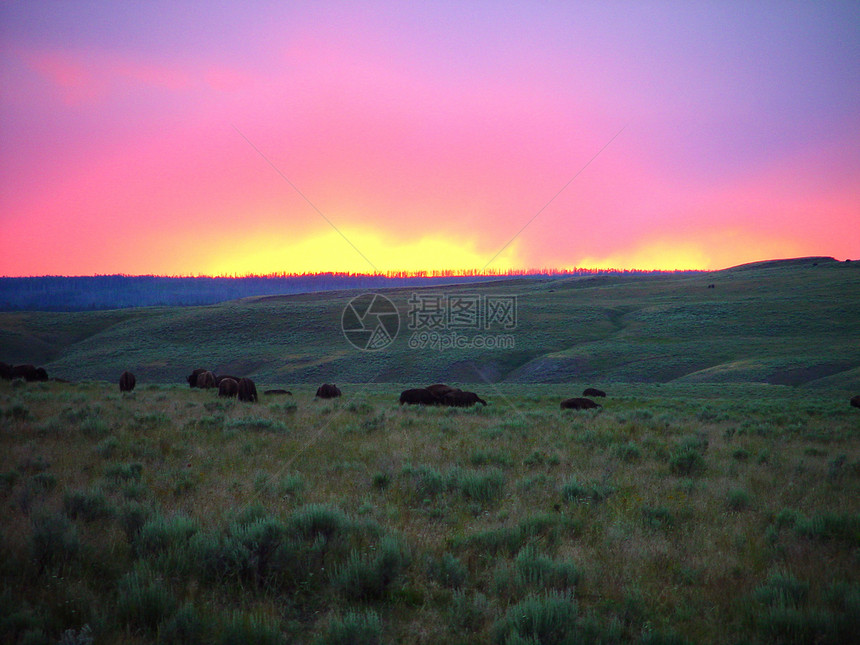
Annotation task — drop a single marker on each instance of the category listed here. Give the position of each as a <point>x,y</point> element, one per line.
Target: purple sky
<point>428,136</point>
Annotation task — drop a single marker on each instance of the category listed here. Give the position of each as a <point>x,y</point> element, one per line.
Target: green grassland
<point>792,322</point>
<point>677,513</point>
<point>712,499</point>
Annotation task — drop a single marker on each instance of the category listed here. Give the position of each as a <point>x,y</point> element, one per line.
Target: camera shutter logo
<point>370,322</point>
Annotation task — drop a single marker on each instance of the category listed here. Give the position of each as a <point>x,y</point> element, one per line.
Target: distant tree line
<point>83,293</point>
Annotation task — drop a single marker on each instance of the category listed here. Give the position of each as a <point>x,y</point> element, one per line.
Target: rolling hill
<point>786,322</point>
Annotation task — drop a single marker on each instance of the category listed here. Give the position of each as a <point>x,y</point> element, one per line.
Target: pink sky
<point>164,138</point>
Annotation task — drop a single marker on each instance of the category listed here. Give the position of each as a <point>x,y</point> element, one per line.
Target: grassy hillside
<point>792,322</point>
<point>705,502</point>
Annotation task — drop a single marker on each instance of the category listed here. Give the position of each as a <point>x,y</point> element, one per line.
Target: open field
<point>794,322</point>
<point>678,513</point>
<point>712,499</point>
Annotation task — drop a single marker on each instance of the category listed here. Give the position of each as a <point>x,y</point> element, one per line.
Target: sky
<point>231,138</point>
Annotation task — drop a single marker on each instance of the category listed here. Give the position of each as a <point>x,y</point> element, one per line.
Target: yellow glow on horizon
<point>723,249</point>
<point>263,254</point>
<point>661,255</point>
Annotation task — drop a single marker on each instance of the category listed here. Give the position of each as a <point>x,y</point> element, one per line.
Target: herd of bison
<point>244,389</point>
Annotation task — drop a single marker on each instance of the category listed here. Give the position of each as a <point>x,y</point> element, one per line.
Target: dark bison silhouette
<point>228,387</point>
<point>578,404</point>
<point>462,399</point>
<point>328,391</point>
<point>419,396</point>
<point>5,370</point>
<point>206,380</point>
<point>221,377</point>
<point>593,391</point>
<point>127,382</point>
<point>440,389</point>
<point>192,378</point>
<point>247,390</point>
<point>29,373</point>
<point>278,392</point>
<point>855,401</point>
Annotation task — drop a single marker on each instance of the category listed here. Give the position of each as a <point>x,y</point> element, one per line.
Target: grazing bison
<point>228,387</point>
<point>593,391</point>
<point>29,373</point>
<point>328,391</point>
<point>418,396</point>
<point>5,370</point>
<point>440,389</point>
<point>220,378</point>
<point>578,404</point>
<point>247,390</point>
<point>26,372</point>
<point>278,392</point>
<point>192,378</point>
<point>127,382</point>
<point>461,399</point>
<point>206,380</point>
<point>855,401</point>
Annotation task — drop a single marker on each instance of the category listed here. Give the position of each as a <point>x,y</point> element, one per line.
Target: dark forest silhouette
<point>83,293</point>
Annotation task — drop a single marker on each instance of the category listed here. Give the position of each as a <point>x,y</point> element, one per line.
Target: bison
<point>29,373</point>
<point>418,396</point>
<point>855,401</point>
<point>328,391</point>
<point>440,389</point>
<point>5,370</point>
<point>206,380</point>
<point>192,378</point>
<point>592,391</point>
<point>228,387</point>
<point>219,378</point>
<point>461,399</point>
<point>247,390</point>
<point>278,392</point>
<point>578,404</point>
<point>127,382</point>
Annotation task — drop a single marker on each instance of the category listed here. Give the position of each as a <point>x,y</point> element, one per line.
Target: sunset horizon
<point>511,272</point>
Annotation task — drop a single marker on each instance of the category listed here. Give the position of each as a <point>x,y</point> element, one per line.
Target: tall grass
<point>54,540</point>
<point>89,505</point>
<point>433,525</point>
<point>144,600</point>
<point>368,576</point>
<point>549,618</point>
<point>352,628</point>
